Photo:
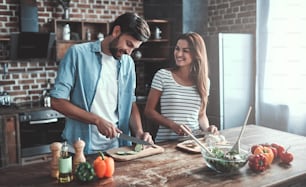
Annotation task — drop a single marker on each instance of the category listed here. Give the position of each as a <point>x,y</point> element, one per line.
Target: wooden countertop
<point>177,168</point>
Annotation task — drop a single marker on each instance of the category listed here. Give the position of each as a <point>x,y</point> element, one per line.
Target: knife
<point>132,139</point>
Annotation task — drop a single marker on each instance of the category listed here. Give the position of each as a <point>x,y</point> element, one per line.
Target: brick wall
<point>26,80</point>
<point>102,10</point>
<point>231,16</point>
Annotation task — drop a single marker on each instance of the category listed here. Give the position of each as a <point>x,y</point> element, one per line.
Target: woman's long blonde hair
<point>199,66</point>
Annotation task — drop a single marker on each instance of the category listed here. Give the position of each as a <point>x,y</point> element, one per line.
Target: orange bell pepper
<point>266,151</point>
<point>104,166</point>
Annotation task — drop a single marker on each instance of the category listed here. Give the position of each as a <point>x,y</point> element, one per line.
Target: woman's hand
<point>213,129</point>
<point>178,130</point>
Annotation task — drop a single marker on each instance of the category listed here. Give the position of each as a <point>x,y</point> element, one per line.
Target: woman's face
<point>182,53</point>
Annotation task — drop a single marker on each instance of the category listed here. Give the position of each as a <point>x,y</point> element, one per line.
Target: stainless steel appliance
<point>231,64</point>
<point>38,129</point>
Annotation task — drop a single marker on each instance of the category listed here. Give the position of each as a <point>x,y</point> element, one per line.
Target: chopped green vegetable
<point>126,152</point>
<point>131,152</point>
<point>223,160</point>
<point>138,147</point>
<point>121,153</point>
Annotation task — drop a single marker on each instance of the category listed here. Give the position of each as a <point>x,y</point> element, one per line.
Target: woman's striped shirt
<point>178,103</point>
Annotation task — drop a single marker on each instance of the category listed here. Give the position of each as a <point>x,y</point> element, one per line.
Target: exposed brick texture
<point>231,16</point>
<point>26,80</point>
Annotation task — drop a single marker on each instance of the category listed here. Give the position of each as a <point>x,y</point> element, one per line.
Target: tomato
<point>280,148</point>
<point>275,152</point>
<point>286,157</point>
<point>258,163</point>
<point>266,151</point>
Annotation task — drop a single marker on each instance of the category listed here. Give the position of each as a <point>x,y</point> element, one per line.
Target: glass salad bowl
<point>221,160</point>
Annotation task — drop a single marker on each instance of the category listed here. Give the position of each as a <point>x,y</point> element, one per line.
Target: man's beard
<point>114,50</point>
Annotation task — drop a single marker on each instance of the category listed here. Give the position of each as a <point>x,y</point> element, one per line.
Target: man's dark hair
<point>132,24</point>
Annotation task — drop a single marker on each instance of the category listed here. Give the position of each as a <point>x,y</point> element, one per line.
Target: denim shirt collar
<point>97,48</point>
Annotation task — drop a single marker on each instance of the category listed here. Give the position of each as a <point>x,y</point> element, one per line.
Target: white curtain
<point>281,65</point>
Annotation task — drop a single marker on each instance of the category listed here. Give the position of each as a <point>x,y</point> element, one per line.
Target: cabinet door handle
<point>43,121</point>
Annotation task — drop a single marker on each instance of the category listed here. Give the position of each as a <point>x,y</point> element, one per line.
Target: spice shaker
<point>79,154</point>
<point>55,148</point>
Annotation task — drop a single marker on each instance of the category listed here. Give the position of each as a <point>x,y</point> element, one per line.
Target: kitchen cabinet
<point>155,54</point>
<point>78,33</point>
<point>9,140</point>
<point>230,57</point>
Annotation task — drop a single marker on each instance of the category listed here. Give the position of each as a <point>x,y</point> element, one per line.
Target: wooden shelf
<point>156,49</point>
<point>4,39</point>
<point>78,31</point>
<point>155,54</point>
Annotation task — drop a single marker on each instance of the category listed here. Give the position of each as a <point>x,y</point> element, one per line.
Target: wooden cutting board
<point>193,147</point>
<point>143,153</point>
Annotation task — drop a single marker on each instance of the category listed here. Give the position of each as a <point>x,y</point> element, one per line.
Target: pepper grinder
<point>55,148</point>
<point>79,154</point>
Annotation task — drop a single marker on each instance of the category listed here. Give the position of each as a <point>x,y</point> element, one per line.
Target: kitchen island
<point>175,167</point>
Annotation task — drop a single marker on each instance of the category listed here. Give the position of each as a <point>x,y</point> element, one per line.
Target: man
<point>95,87</point>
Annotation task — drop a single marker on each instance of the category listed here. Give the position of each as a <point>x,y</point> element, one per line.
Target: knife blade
<point>132,139</point>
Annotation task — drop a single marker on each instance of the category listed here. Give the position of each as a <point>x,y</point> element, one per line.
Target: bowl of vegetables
<point>221,159</point>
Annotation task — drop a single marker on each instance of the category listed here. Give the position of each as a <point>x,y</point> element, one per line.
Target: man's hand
<point>146,136</point>
<point>107,129</point>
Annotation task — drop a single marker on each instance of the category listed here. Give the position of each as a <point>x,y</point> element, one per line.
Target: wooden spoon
<point>236,147</point>
<point>196,140</point>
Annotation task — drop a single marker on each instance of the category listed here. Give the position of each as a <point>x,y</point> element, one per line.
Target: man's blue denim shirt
<point>77,78</point>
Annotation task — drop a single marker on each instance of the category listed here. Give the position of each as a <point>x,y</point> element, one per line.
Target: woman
<point>182,91</point>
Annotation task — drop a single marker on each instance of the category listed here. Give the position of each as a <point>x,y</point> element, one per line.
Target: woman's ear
<point>116,31</point>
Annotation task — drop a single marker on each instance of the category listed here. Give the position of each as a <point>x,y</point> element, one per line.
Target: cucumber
<point>131,152</point>
<point>121,153</point>
<point>138,147</point>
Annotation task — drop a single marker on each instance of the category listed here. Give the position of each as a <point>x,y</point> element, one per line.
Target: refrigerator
<point>232,78</point>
